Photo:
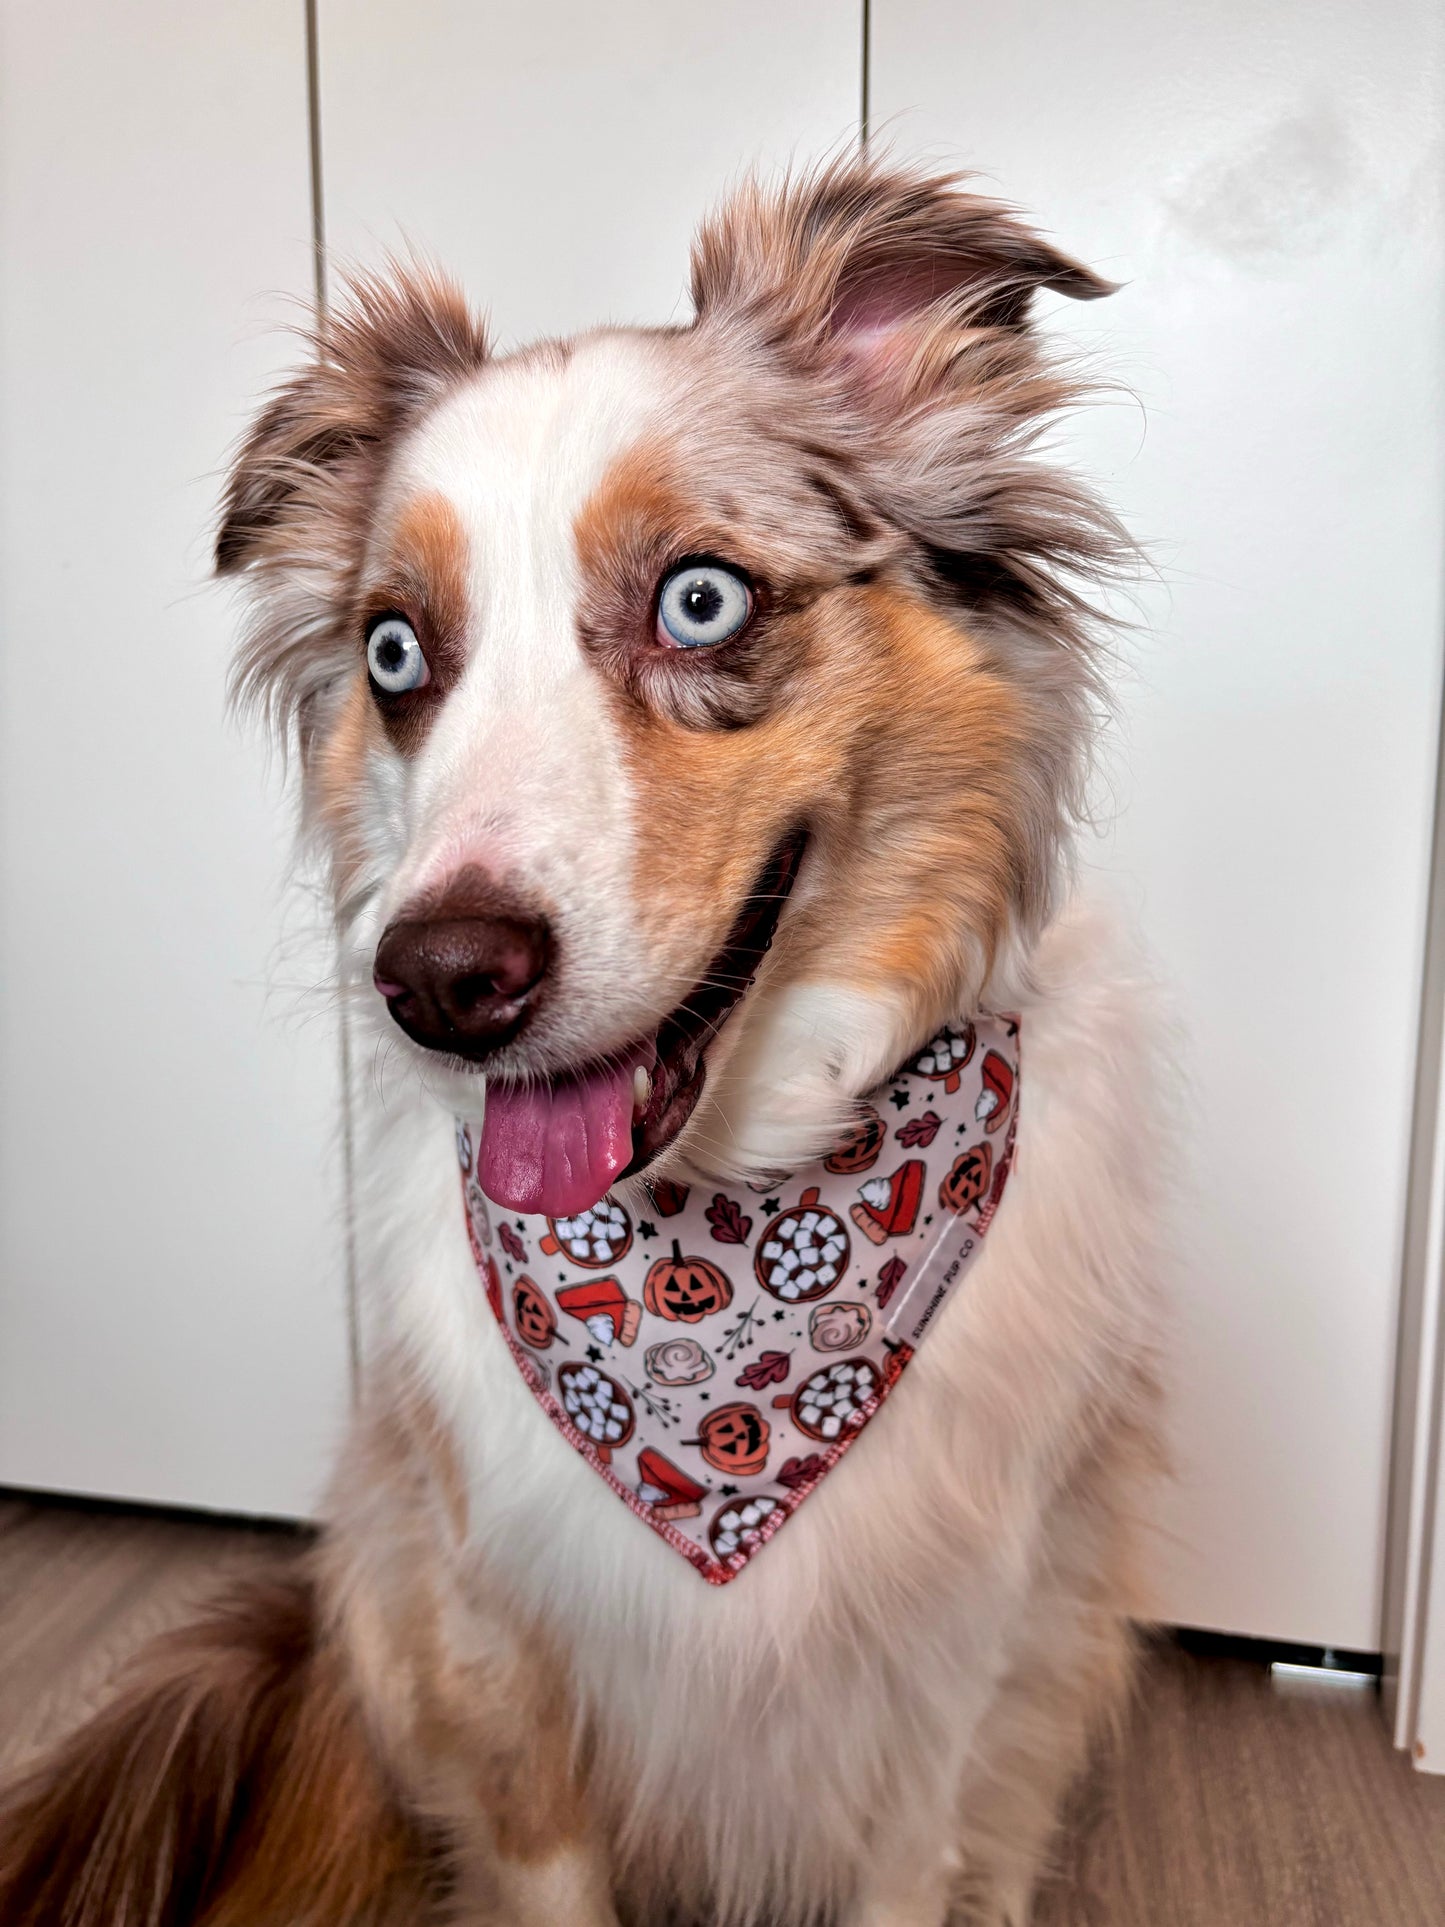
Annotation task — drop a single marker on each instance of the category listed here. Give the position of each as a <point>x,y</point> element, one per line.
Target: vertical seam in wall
<point>865,99</point>
<point>313,123</point>
<point>343,1016</point>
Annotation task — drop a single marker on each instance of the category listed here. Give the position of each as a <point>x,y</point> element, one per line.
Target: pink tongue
<point>556,1148</point>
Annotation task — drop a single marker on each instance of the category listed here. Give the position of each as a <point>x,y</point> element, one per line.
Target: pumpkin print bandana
<point>714,1357</point>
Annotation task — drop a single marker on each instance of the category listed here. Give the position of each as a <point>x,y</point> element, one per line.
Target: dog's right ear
<point>392,346</point>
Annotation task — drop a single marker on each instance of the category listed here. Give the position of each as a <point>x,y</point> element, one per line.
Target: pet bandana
<point>715,1357</point>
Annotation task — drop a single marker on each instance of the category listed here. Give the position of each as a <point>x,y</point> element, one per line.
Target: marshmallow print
<point>597,1406</point>
<point>594,1239</point>
<point>835,1400</point>
<point>738,1528</point>
<point>803,1252</point>
<point>947,1056</point>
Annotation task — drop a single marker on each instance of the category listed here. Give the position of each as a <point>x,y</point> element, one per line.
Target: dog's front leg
<point>468,1710</point>
<point>483,1744</point>
<point>900,1898</point>
<point>910,1875</point>
<point>568,1883</point>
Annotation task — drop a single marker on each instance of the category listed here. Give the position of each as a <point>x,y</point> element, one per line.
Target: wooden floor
<point>1229,1807</point>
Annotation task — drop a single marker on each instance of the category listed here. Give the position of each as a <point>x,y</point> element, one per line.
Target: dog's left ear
<point>854,260</point>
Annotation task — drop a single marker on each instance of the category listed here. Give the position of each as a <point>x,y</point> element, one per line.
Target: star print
<point>772,1204</point>
<point>521,1224</point>
<point>594,1355</point>
<point>901,1099</point>
<point>779,1314</point>
<point>646,1230</point>
<point>728,1491</point>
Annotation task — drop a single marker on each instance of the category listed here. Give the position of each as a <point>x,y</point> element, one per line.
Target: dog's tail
<point>230,1784</point>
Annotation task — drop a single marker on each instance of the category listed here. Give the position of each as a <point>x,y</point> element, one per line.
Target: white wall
<point>171,1324</point>
<point>1264,180</point>
<point>556,157</point>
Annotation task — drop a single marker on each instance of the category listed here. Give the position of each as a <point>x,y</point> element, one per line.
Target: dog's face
<point>691,715</point>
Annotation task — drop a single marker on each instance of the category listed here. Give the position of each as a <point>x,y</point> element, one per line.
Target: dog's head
<point>692,716</point>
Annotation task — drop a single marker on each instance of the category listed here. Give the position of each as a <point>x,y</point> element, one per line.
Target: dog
<point>694,722</point>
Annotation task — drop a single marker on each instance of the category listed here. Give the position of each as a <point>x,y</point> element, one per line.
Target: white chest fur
<point>768,1734</point>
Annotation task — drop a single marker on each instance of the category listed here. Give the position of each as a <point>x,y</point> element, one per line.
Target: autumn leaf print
<point>796,1473</point>
<point>768,1368</point>
<point>729,1226</point>
<point>889,1279</point>
<point>512,1244</point>
<point>919,1131</point>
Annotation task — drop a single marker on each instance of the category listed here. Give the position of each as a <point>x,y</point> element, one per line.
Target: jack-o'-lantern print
<point>596,1404</point>
<point>968,1179</point>
<point>594,1239</point>
<point>859,1149</point>
<point>686,1289</point>
<point>738,1526</point>
<point>734,1439</point>
<point>945,1056</point>
<point>536,1321</point>
<point>803,1252</point>
<point>832,1402</point>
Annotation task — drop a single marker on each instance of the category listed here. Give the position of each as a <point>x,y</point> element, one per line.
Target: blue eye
<point>701,604</point>
<point>394,656</point>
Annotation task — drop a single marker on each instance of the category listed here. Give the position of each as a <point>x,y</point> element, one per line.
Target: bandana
<point>714,1359</point>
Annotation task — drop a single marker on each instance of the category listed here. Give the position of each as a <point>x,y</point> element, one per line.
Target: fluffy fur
<point>873,1725</point>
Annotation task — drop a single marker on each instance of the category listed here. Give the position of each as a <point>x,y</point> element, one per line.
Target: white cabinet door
<point>556,156</point>
<point>171,1313</point>
<point>1265,181</point>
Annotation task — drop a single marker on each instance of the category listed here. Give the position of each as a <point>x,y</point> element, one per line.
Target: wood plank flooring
<point>82,1588</point>
<point>1228,1806</point>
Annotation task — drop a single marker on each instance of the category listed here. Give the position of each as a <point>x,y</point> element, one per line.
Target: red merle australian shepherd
<point>693,722</point>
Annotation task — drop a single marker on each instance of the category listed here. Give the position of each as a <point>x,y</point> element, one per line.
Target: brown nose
<point>462,983</point>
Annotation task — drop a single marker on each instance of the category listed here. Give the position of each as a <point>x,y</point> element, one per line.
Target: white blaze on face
<point>522,773</point>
